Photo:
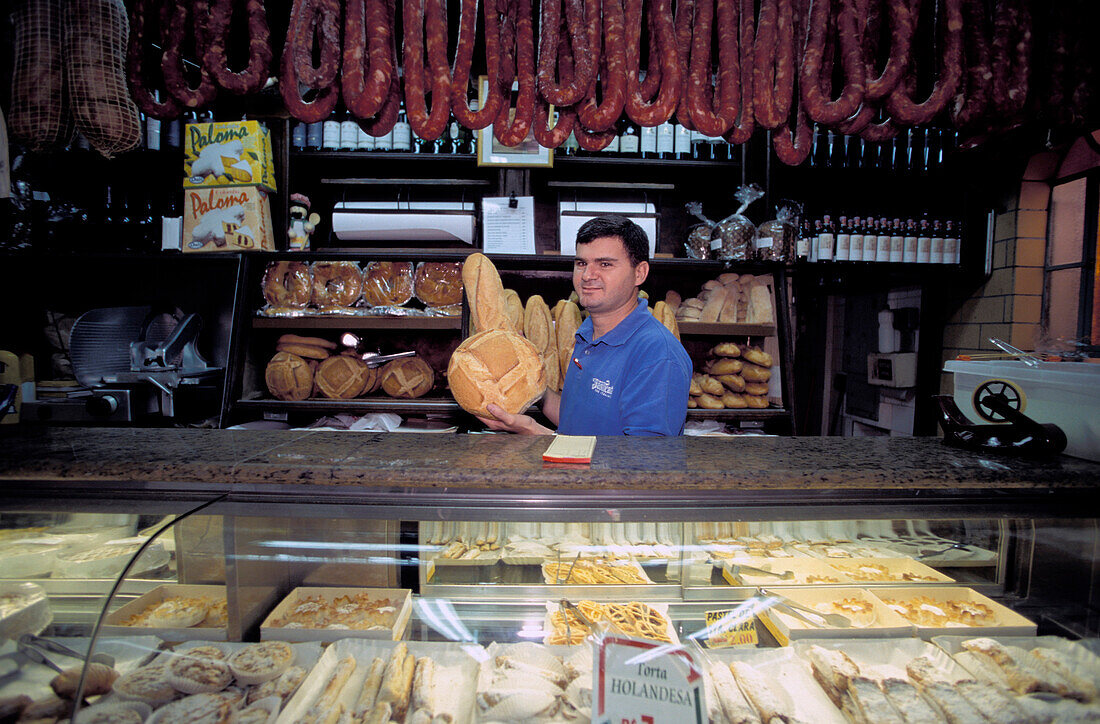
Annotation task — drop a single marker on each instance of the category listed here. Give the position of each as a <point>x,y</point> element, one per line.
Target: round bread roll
<point>756,401</point>
<point>725,366</point>
<point>481,282</point>
<point>692,404</point>
<point>408,377</point>
<point>758,356</point>
<point>734,401</point>
<point>711,386</point>
<point>693,303</point>
<point>309,351</point>
<point>672,299</point>
<point>695,389</point>
<point>287,284</point>
<point>756,388</point>
<point>513,307</point>
<point>499,367</point>
<point>709,402</point>
<point>343,377</point>
<point>726,349</point>
<point>538,326</point>
<point>312,341</point>
<point>756,373</point>
<point>735,383</point>
<point>288,377</point>
<point>388,283</point>
<point>438,283</point>
<point>336,283</point>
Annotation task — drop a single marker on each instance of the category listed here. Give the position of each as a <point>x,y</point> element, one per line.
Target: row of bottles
<point>879,239</point>
<point>912,151</point>
<point>340,132</point>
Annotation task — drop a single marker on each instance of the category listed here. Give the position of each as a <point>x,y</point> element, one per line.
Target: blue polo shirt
<point>631,381</point>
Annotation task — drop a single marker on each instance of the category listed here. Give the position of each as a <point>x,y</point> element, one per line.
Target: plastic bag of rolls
<point>733,378</point>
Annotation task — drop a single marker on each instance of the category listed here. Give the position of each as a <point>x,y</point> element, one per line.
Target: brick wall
<point>1009,304</point>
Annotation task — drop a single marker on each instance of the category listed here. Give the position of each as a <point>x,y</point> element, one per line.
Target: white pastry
<point>257,663</point>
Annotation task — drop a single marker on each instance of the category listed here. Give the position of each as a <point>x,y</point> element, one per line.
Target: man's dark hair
<point>633,236</point>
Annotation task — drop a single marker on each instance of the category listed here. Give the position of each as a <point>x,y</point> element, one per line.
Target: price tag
<point>646,682</point>
<point>730,628</point>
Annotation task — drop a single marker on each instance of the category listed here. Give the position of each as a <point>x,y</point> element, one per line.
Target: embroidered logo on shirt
<point>604,387</point>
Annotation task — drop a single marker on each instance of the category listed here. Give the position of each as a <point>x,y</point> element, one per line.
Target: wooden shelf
<point>748,415</point>
<point>336,322</point>
<point>359,406</point>
<point>727,330</point>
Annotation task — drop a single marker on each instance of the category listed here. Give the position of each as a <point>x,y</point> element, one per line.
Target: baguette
<point>759,309</point>
<point>716,299</point>
<point>308,351</point>
<point>728,278</point>
<point>397,680</point>
<point>365,702</point>
<point>665,316</point>
<point>538,326</point>
<point>513,308</point>
<point>760,693</point>
<point>423,681</point>
<point>326,708</point>
<point>380,714</point>
<point>566,330</point>
<point>692,303</point>
<point>485,294</point>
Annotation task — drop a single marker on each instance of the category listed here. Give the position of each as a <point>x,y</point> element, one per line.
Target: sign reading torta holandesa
<point>646,682</point>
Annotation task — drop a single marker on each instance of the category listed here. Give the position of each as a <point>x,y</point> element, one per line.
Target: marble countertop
<point>220,459</point>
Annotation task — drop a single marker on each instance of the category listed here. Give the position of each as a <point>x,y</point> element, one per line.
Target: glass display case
<point>459,574</point>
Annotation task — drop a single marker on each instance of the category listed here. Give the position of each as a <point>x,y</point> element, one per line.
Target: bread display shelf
<point>360,404</point>
<point>727,330</point>
<point>772,413</point>
<point>358,322</point>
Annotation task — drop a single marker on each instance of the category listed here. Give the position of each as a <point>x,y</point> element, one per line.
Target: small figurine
<point>301,225</point>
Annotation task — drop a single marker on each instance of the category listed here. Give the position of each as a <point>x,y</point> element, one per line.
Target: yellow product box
<point>228,153</point>
<point>227,218</point>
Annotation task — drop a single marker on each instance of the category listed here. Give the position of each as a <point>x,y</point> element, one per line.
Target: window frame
<point>1088,314</point>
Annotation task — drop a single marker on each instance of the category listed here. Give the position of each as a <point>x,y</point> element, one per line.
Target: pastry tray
<point>456,671</point>
<point>605,626</point>
<point>1006,622</point>
<point>1085,663</point>
<point>634,565</point>
<point>787,628</point>
<point>113,625</point>
<point>884,658</point>
<point>800,567</point>
<point>896,568</point>
<point>484,558</point>
<point>270,632</point>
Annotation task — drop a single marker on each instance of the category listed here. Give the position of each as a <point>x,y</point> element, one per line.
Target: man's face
<point>603,276</point>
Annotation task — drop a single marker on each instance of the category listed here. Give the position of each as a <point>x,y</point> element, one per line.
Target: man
<point>628,375</point>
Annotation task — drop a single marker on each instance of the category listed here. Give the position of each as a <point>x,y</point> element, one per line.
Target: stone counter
<point>452,463</point>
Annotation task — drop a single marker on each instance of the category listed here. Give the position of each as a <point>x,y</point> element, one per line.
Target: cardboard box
<point>227,218</point>
<point>228,153</point>
<point>891,571</point>
<point>787,628</point>
<point>113,624</point>
<point>270,632</point>
<point>1004,621</point>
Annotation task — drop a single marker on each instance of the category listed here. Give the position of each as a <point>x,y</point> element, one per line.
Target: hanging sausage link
<point>638,107</point>
<point>794,148</point>
<point>464,55</point>
<point>1011,55</point>
<point>216,59</point>
<point>972,100</point>
<point>149,21</point>
<point>171,63</point>
<point>429,17</point>
<point>382,123</point>
<point>815,84</point>
<point>713,110</point>
<point>321,106</point>
<point>900,104</point>
<point>603,115</point>
<point>320,20</point>
<point>368,65</point>
<point>511,128</point>
<point>773,77</point>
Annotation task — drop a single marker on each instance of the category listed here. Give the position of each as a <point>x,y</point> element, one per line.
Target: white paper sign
<point>505,230</point>
<point>569,224</point>
<point>646,682</point>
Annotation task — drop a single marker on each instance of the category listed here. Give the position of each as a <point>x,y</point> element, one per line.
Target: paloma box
<point>228,153</point>
<point>227,218</point>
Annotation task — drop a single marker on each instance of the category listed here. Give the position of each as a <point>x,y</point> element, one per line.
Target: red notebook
<point>570,449</point>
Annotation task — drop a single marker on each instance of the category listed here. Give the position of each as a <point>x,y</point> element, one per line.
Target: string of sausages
<point>561,67</point>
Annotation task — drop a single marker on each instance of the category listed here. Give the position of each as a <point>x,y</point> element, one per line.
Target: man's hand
<point>519,424</point>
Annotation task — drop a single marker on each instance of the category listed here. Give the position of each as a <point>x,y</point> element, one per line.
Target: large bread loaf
<point>499,367</point>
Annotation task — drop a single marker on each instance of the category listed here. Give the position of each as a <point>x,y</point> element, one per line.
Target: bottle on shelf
<point>349,133</point>
<point>897,242</point>
<point>399,138</point>
<point>647,141</point>
<point>298,136</point>
<point>666,141</point>
<point>936,255</point>
<point>446,141</point>
<point>882,246</point>
<point>681,142</point>
<point>330,140</point>
<point>570,145</point>
<point>817,148</point>
<point>826,240</point>
<point>855,240</point>
<point>952,243</point>
<point>843,240</point>
<point>802,244</point>
<point>153,130</point>
<point>909,253</point>
<point>815,239</point>
<point>464,142</point>
<point>364,141</point>
<point>629,141</point>
<point>700,149</point>
<point>870,239</point>
<point>611,149</point>
<point>924,240</point>
<point>315,134</point>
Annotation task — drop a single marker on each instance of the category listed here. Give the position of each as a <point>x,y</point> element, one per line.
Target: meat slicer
<point>140,361</point>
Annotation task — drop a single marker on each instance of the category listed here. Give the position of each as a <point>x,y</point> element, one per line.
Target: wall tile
<point>1034,195</point>
<point>1002,332</point>
<point>1025,336</point>
<point>1026,309</point>
<point>1001,282</point>
<point>1030,252</point>
<point>1005,226</point>
<point>1031,224</point>
<point>981,309</point>
<point>1029,280</point>
<point>962,336</point>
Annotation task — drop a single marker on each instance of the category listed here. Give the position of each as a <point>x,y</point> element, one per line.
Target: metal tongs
<point>569,605</point>
<point>736,569</point>
<point>799,611</point>
<point>34,648</point>
<point>373,359</point>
